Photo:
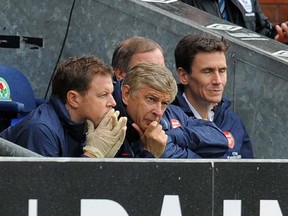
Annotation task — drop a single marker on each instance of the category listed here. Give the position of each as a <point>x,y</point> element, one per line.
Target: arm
<point>40,139</point>
<point>202,137</point>
<point>158,144</point>
<point>173,150</point>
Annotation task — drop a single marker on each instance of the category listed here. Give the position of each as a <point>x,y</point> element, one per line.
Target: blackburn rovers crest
<point>4,90</point>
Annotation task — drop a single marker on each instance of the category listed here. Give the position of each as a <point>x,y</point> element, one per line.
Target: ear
<point>125,94</point>
<point>182,76</point>
<point>73,99</point>
<point>119,74</point>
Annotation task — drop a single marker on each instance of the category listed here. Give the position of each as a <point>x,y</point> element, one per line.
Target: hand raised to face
<point>153,138</point>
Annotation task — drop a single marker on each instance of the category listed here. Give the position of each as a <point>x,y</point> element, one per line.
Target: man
<point>135,50</point>
<point>202,70</point>
<point>81,90</point>
<point>245,13</point>
<point>155,129</point>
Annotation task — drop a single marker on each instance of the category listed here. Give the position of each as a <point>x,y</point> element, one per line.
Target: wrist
<point>88,154</point>
<point>92,151</point>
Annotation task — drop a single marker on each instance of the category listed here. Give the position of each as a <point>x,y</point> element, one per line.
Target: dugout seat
<point>16,96</point>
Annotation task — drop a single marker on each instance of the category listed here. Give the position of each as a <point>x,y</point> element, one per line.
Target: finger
<point>123,121</point>
<point>118,144</point>
<point>116,113</point>
<point>282,33</point>
<point>121,135</point>
<point>284,27</point>
<point>137,128</point>
<point>107,118</point>
<point>119,125</point>
<point>113,120</point>
<point>165,137</point>
<point>154,127</point>
<point>279,30</point>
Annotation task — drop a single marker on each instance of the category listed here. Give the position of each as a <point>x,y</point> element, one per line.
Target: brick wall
<point>275,10</point>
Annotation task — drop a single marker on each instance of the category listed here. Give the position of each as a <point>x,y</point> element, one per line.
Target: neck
<point>73,114</point>
<point>202,107</point>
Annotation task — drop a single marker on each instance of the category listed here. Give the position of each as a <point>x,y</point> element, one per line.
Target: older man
<point>157,129</point>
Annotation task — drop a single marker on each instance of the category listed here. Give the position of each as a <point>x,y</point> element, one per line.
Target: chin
<point>144,127</point>
<point>215,99</point>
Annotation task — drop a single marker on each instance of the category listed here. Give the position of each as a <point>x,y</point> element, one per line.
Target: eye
<point>104,94</point>
<point>165,105</point>
<point>207,70</point>
<point>222,70</point>
<point>150,99</point>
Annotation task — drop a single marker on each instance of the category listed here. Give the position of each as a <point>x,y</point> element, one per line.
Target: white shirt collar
<point>196,114</point>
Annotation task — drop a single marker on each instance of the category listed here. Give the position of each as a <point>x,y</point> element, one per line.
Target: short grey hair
<point>152,75</point>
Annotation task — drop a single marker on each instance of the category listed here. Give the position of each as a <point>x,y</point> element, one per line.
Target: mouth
<point>149,121</point>
<point>216,91</point>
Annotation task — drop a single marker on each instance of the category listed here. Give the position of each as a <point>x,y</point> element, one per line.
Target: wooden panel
<point>273,2</point>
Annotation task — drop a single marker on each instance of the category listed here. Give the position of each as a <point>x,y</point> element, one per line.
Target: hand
<point>282,32</point>
<point>107,138</point>
<point>153,138</point>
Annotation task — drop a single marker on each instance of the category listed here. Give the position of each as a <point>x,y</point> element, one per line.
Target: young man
<point>202,71</point>
<point>135,50</point>
<point>81,90</point>
<point>154,128</point>
<point>245,13</point>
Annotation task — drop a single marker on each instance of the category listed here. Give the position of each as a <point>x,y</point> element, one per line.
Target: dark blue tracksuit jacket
<point>49,131</point>
<point>228,121</point>
<point>187,137</point>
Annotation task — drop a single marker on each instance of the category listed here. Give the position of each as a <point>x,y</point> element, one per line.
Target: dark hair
<point>77,74</point>
<point>125,50</point>
<point>190,45</point>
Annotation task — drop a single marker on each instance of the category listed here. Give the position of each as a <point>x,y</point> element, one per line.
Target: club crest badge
<point>230,138</point>
<point>175,123</point>
<point>4,90</point>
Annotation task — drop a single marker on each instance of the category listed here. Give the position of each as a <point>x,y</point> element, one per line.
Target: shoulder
<point>43,116</point>
<point>175,111</point>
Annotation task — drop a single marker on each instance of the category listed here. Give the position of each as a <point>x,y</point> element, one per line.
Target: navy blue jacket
<point>228,121</point>
<point>49,131</point>
<point>187,137</point>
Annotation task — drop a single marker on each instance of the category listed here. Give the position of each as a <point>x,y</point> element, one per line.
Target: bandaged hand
<point>107,138</point>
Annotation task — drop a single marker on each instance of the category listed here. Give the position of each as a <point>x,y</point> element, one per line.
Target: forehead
<point>154,56</point>
<point>148,91</point>
<point>210,57</point>
<point>100,80</point>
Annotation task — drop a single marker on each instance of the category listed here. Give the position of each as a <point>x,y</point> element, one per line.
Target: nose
<point>157,109</point>
<point>111,102</point>
<point>217,78</point>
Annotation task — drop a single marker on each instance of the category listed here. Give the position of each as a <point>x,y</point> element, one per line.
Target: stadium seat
<point>16,96</point>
